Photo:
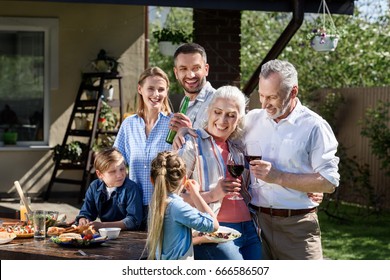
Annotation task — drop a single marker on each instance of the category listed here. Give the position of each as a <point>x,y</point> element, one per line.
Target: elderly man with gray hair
<point>298,157</point>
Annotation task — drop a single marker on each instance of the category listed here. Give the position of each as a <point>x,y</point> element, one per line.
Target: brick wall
<point>219,33</point>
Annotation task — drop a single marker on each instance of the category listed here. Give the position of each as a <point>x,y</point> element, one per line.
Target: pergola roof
<point>297,7</point>
<point>310,6</point>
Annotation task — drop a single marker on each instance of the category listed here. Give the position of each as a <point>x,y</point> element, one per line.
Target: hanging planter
<point>167,48</point>
<point>170,39</point>
<point>325,38</point>
<point>326,43</point>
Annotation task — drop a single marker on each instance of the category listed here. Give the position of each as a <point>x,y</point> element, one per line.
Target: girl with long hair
<point>170,218</point>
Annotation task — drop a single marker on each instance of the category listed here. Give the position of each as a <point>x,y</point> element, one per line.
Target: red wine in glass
<point>235,166</point>
<point>235,169</point>
<point>253,152</point>
<point>250,158</point>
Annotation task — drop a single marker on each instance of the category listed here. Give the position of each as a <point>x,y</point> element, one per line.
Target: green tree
<point>375,126</point>
<point>362,58</point>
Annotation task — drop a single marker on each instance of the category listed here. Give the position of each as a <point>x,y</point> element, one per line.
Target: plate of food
<point>84,230</point>
<point>223,234</point>
<point>6,237</point>
<point>21,231</point>
<point>72,239</point>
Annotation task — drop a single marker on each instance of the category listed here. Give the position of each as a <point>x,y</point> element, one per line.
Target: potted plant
<point>105,63</point>
<point>103,141</point>
<point>89,82</point>
<point>324,40</point>
<point>108,119</point>
<point>326,37</point>
<point>82,122</point>
<point>9,121</point>
<point>170,39</point>
<point>10,136</point>
<point>74,152</point>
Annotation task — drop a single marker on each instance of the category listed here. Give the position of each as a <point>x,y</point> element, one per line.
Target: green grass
<point>357,236</point>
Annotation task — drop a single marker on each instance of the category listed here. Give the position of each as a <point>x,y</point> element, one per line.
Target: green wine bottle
<point>183,109</point>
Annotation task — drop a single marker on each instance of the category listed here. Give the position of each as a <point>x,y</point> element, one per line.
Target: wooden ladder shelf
<point>85,105</point>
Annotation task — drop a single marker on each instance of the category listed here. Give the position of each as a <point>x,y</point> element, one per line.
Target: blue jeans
<point>247,247</point>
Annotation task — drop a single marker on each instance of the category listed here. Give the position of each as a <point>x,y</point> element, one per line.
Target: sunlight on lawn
<point>366,238</point>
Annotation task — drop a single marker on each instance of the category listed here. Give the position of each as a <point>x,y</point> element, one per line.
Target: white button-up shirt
<point>303,143</point>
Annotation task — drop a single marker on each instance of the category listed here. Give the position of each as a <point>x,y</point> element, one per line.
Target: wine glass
<point>235,166</point>
<point>253,152</point>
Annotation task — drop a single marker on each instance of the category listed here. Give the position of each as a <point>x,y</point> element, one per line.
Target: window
<point>25,45</point>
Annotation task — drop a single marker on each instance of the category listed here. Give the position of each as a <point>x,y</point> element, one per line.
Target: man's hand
<point>308,183</point>
<point>178,121</point>
<point>264,170</point>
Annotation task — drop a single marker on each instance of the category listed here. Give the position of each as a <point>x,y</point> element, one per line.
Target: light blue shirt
<point>197,110</point>
<point>139,150</point>
<point>179,219</point>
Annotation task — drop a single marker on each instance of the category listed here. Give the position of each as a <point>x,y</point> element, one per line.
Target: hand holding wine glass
<point>253,152</point>
<point>235,166</point>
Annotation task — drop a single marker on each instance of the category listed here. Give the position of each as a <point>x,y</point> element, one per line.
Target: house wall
<point>84,29</point>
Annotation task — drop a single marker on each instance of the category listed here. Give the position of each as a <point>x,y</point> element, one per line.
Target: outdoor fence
<point>350,113</point>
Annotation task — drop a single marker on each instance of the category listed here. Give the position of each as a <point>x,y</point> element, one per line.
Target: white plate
<point>223,234</point>
<point>6,239</point>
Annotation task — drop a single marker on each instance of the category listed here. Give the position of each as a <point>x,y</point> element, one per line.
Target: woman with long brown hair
<point>142,135</point>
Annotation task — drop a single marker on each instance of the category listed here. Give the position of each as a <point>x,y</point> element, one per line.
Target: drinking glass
<point>253,152</point>
<point>39,223</point>
<point>23,210</point>
<point>235,168</point>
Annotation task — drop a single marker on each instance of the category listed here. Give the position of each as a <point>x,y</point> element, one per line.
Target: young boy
<point>114,198</point>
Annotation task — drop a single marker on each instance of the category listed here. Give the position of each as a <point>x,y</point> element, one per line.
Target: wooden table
<point>128,246</point>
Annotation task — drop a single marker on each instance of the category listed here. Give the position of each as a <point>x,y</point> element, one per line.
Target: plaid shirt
<point>205,164</point>
<point>139,150</point>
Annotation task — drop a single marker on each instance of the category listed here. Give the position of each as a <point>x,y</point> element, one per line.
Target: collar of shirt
<point>203,133</point>
<point>102,187</point>
<point>110,191</point>
<point>204,93</point>
<point>293,116</point>
<point>160,115</point>
<point>175,195</point>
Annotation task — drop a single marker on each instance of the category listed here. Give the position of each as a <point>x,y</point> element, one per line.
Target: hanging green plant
<point>170,39</point>
<point>175,36</point>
